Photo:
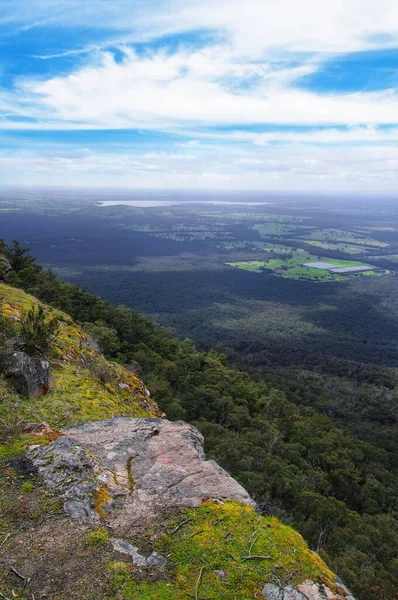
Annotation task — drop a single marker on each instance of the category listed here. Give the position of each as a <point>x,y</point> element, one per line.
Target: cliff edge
<point>101,497</point>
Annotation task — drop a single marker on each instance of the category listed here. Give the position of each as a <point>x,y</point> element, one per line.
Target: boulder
<point>29,376</point>
<point>5,269</point>
<point>305,591</point>
<point>145,465</point>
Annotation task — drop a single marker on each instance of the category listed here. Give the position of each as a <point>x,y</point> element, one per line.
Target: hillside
<point>340,493</point>
<point>219,549</point>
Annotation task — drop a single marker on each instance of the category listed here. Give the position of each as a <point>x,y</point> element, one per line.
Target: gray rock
<point>305,591</point>
<point>131,551</point>
<point>5,269</point>
<point>290,593</point>
<point>152,464</point>
<point>272,592</point>
<point>93,343</point>
<point>221,574</point>
<point>349,596</point>
<point>154,560</point>
<point>28,375</point>
<point>318,591</point>
<point>69,469</point>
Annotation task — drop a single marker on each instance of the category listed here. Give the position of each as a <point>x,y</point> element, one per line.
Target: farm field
<point>297,267</point>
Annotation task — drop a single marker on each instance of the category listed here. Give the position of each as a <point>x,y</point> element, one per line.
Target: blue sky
<point>229,94</point>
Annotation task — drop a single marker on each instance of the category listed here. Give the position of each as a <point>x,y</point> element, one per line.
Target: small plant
<point>36,332</point>
<point>27,486</point>
<point>98,537</point>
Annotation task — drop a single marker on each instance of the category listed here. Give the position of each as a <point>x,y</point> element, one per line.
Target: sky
<point>205,94</point>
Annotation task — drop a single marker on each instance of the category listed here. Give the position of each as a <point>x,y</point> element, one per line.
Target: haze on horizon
<point>217,94</point>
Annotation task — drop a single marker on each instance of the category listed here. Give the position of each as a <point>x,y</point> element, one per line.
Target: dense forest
<point>290,434</point>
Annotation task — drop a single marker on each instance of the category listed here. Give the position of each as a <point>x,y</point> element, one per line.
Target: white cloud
<point>210,86</point>
<point>247,75</point>
<point>293,168</point>
<point>250,25</point>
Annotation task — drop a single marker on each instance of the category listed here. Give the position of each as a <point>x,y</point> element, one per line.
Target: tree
<point>36,332</point>
<point>18,256</point>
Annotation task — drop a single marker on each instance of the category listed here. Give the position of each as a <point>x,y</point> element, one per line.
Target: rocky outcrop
<point>5,269</point>
<point>29,376</point>
<point>129,469</point>
<point>305,591</point>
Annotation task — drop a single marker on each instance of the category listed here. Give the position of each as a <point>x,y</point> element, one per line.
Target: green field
<point>338,235</point>
<point>293,268</point>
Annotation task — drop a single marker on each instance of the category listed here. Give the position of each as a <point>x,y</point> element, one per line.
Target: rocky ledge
<point>124,469</point>
<point>132,470</point>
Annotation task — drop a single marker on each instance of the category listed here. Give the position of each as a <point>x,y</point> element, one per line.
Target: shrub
<point>36,332</point>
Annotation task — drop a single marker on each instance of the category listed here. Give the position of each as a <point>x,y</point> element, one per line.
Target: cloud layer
<point>234,76</point>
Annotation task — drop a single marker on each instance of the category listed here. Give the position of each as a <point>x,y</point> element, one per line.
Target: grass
<point>83,385</point>
<point>223,538</point>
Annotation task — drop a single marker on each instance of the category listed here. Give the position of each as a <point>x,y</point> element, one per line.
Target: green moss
<point>27,486</point>
<point>77,391</point>
<point>120,574</point>
<point>223,537</point>
<point>129,473</point>
<point>97,537</point>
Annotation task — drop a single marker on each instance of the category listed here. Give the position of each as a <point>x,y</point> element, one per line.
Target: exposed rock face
<point>306,591</point>
<point>28,375</point>
<point>145,466</point>
<point>5,269</point>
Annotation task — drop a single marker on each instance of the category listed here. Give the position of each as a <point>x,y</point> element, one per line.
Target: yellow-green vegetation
<point>246,549</point>
<point>97,537</point>
<point>100,498</point>
<point>83,385</point>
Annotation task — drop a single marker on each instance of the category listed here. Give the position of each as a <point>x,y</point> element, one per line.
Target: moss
<point>120,573</point>
<point>76,392</point>
<point>27,486</point>
<point>221,537</point>
<point>100,498</point>
<point>97,537</point>
<point>129,473</point>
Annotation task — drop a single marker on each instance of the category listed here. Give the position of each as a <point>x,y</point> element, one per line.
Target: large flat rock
<point>146,465</point>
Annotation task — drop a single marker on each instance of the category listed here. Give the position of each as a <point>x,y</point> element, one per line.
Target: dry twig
<point>9,534</point>
<point>199,579</point>
<point>180,525</point>
<point>256,557</point>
